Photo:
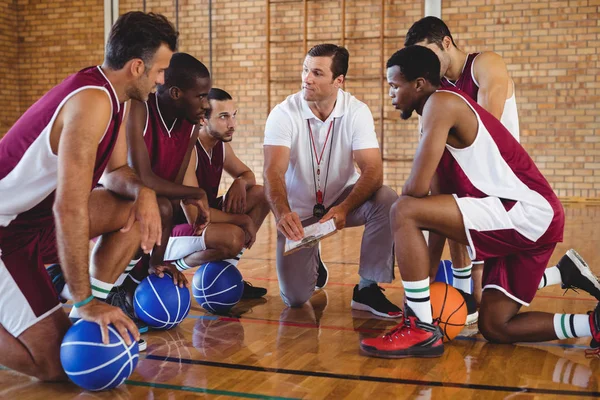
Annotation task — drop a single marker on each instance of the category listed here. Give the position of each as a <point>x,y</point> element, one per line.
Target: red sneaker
<point>595,328</point>
<point>414,338</point>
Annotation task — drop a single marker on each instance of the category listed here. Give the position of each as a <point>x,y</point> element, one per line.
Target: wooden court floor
<point>264,350</point>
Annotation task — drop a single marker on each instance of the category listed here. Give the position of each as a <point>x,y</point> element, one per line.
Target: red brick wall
<point>551,49</point>
<point>9,65</point>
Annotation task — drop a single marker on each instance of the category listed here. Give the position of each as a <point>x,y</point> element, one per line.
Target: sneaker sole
<point>415,352</point>
<point>142,345</point>
<point>583,268</point>
<point>472,319</point>
<point>326,270</point>
<point>363,307</point>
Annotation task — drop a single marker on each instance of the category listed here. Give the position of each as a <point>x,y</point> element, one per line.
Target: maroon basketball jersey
<point>28,168</point>
<point>209,170</point>
<point>465,82</point>
<point>166,145</point>
<point>496,165</point>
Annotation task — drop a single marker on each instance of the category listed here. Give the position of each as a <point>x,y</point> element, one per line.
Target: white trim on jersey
<point>21,190</point>
<point>147,118</point>
<point>113,89</point>
<point>487,171</point>
<point>161,118</point>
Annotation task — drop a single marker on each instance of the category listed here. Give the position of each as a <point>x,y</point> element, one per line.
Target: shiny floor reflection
<point>263,349</point>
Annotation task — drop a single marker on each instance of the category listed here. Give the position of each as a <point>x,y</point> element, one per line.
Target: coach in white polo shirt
<point>312,140</point>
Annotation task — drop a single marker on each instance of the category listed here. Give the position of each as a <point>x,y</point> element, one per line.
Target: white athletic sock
<point>572,325</point>
<point>551,277</point>
<point>417,298</point>
<point>125,273</point>
<point>462,278</point>
<point>235,260</point>
<point>65,293</point>
<point>182,265</point>
<point>100,290</point>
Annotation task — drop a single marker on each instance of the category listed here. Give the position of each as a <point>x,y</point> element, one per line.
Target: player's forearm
<point>124,181</point>
<point>276,193</point>
<point>248,178</point>
<point>370,181</point>
<point>172,190</point>
<point>72,238</point>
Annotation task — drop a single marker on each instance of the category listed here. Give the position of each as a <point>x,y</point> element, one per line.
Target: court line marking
<point>205,390</point>
<point>415,382</point>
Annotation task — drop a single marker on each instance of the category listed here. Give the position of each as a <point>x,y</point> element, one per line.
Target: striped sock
<point>182,265</point>
<point>462,278</point>
<point>125,273</point>
<point>100,290</point>
<point>572,325</point>
<point>235,260</point>
<point>551,277</point>
<point>417,298</point>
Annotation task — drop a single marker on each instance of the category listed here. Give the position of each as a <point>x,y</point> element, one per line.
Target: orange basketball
<point>448,305</point>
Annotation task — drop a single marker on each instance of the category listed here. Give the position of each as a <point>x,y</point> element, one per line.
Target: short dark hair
<point>339,55</point>
<point>217,95</point>
<point>431,29</point>
<point>417,62</point>
<point>184,69</point>
<point>138,35</point>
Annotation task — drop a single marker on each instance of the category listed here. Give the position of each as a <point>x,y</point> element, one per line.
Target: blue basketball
<point>444,272</point>
<point>160,303</point>
<point>93,365</point>
<point>217,286</point>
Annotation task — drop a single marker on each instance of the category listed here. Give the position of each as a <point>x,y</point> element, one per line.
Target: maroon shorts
<point>26,291</point>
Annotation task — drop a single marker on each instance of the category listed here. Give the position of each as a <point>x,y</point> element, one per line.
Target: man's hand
<point>145,211</point>
<point>104,314</point>
<point>289,224</point>
<point>339,214</point>
<point>250,229</point>
<point>235,198</point>
<point>178,277</point>
<point>203,218</point>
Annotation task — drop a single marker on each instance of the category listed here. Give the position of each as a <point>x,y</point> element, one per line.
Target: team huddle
<point>104,156</point>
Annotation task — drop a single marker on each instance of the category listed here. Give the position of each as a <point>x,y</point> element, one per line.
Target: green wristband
<point>83,302</point>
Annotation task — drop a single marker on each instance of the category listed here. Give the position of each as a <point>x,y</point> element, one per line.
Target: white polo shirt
<point>353,129</point>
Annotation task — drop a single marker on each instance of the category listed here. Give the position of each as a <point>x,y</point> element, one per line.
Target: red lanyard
<point>318,192</point>
<point>312,139</point>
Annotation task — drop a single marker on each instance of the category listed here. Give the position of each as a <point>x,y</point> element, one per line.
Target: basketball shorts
<point>26,292</point>
<point>513,264</point>
<point>183,242</point>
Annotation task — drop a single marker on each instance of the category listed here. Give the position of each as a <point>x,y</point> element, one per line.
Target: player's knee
<point>50,370</point>
<point>493,330</point>
<point>258,192</point>
<point>236,242</point>
<point>165,208</point>
<point>401,211</point>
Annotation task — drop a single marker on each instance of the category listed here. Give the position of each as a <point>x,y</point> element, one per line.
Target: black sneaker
<point>472,313</point>
<point>322,272</point>
<point>373,300</point>
<point>118,298</point>
<point>252,292</point>
<point>576,274</point>
<point>58,280</point>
